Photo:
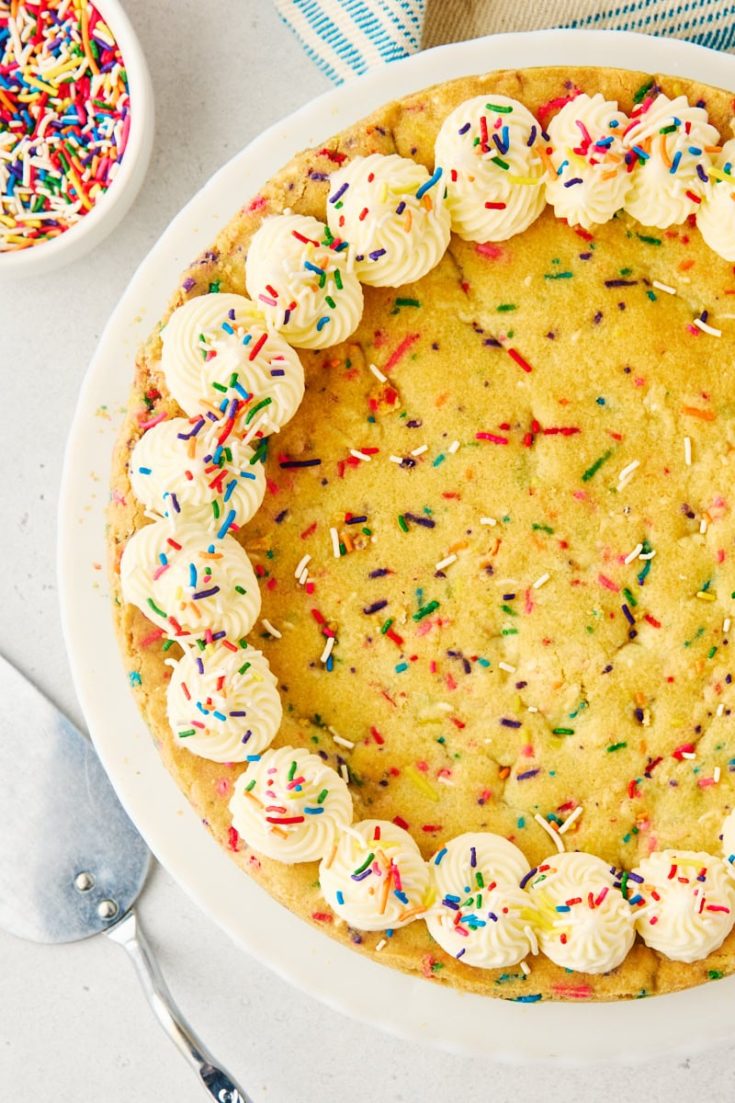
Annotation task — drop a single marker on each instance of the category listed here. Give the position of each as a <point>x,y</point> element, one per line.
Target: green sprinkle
<point>407,302</point>
<point>424,612</point>
<point>629,597</point>
<point>244,668</point>
<point>250,786</point>
<point>652,296</point>
<point>595,467</point>
<point>714,974</point>
<point>510,611</point>
<point>292,770</point>
<point>186,734</point>
<point>500,162</point>
<point>338,279</point>
<point>215,509</point>
<point>616,747</point>
<point>214,287</point>
<point>386,626</point>
<point>499,109</point>
<point>155,608</point>
<point>640,95</point>
<point>402,523</point>
<point>558,275</point>
<point>251,414</point>
<point>439,460</point>
<point>240,590</point>
<point>624,884</point>
<point>536,527</point>
<point>330,301</point>
<point>668,129</point>
<point>648,239</point>
<point>504,308</point>
<point>166,645</point>
<point>509,632</point>
<point>712,652</point>
<point>562,731</point>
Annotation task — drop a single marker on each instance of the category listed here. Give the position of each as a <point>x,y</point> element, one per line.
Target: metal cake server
<point>71,862</point>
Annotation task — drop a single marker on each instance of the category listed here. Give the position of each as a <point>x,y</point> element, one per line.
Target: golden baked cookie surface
<point>530,498</point>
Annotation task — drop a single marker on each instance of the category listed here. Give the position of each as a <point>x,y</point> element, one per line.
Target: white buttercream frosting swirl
<point>583,921</point>
<point>289,805</point>
<point>223,704</point>
<point>716,216</point>
<point>189,582</point>
<point>588,180</point>
<point>669,145</point>
<point>684,904</point>
<point>375,878</point>
<point>178,469</point>
<point>217,350</point>
<point>300,275</point>
<point>488,150</point>
<point>393,214</point>
<point>481,916</point>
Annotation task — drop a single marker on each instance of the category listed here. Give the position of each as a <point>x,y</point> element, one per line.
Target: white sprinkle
<point>335,543</point>
<point>359,455</point>
<point>664,287</point>
<point>420,450</point>
<point>327,649</point>
<point>571,818</point>
<point>720,709</point>
<point>269,628</point>
<point>634,554</point>
<point>559,843</point>
<point>304,577</point>
<point>507,668</point>
<point>300,569</point>
<point>488,521</point>
<point>341,740</point>
<point>716,774</point>
<point>706,328</point>
<point>345,773</point>
<point>688,451</point>
<point>532,708</point>
<point>726,624</point>
<point>647,555</point>
<point>396,459</point>
<point>541,581</point>
<point>531,934</point>
<point>381,945</point>
<point>702,526</point>
<point>453,447</point>
<point>445,562</point>
<point>525,969</point>
<point>688,754</point>
<point>378,374</point>
<point>626,473</point>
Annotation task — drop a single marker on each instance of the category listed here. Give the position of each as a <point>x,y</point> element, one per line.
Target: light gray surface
<point>73,1025</point>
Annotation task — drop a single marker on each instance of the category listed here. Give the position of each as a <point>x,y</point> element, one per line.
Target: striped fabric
<point>347,37</point>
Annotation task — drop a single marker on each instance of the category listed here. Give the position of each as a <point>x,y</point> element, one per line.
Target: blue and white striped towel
<point>348,37</point>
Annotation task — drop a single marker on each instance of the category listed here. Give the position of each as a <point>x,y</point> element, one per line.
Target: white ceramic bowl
<point>110,208</point>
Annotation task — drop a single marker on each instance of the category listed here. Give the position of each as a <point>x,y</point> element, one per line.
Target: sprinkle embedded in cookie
<point>179,470</point>
<point>217,351</point>
<point>300,275</point>
<point>223,704</point>
<point>489,150</point>
<point>684,903</point>
<point>375,878</point>
<point>481,916</point>
<point>669,146</point>
<point>394,215</point>
<point>728,843</point>
<point>289,805</point>
<point>588,179</point>
<point>190,583</point>
<point>582,920</point>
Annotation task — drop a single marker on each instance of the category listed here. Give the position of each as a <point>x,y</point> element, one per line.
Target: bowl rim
<point>49,254</point>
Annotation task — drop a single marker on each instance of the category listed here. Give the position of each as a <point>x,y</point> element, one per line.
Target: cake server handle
<point>218,1084</point>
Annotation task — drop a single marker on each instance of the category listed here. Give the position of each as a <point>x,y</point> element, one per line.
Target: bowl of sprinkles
<point>76,128</point>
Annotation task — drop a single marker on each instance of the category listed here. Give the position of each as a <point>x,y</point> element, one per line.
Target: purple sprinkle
<point>175,502</point>
<point>461,953</point>
<point>361,876</point>
<point>529,875</point>
<point>379,572</point>
<point>528,774</point>
<point>318,176</point>
<point>200,666</point>
<point>277,371</point>
<point>585,256</point>
<point>450,904</point>
<point>464,129</point>
<point>193,432</point>
<point>493,916</point>
<point>573,181</point>
<point>473,857</point>
<point>280,517</point>
<point>620,283</point>
<point>375,607</point>
<point>635,877</point>
<point>531,136</point>
<point>702,174</point>
<point>206,593</point>
<point>401,207</point>
<point>339,192</point>
<point>218,635</point>
<point>425,521</point>
<point>507,723</point>
<point>376,254</point>
<point>300,463</point>
<point>188,284</point>
<point>628,615</point>
<point>356,521</point>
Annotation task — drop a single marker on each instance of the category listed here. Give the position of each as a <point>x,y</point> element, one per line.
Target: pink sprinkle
<point>222,787</point>
<point>608,583</point>
<point>705,782</point>
<point>157,574</point>
<point>491,437</point>
<point>490,250</point>
<point>400,351</point>
<point>154,421</point>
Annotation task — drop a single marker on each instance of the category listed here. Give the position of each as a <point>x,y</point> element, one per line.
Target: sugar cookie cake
<point>422,541</point>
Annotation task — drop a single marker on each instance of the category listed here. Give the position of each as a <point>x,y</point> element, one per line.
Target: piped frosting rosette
<point>716,216</point>
<point>669,147</point>
<point>289,805</point>
<point>223,704</point>
<point>218,350</point>
<point>375,877</point>
<point>588,179</point>
<point>583,921</point>
<point>189,582</point>
<point>489,151</point>
<point>179,470</point>
<point>393,214</point>
<point>299,274</point>
<point>684,903</point>
<point>481,916</point>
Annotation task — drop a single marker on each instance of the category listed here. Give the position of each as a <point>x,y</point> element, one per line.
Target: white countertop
<point>73,1026</point>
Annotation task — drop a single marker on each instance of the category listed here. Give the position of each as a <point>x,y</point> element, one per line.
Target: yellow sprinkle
<point>422,783</point>
<point>35,83</point>
<point>706,595</point>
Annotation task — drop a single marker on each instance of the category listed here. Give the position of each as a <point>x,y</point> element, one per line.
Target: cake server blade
<point>71,862</point>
